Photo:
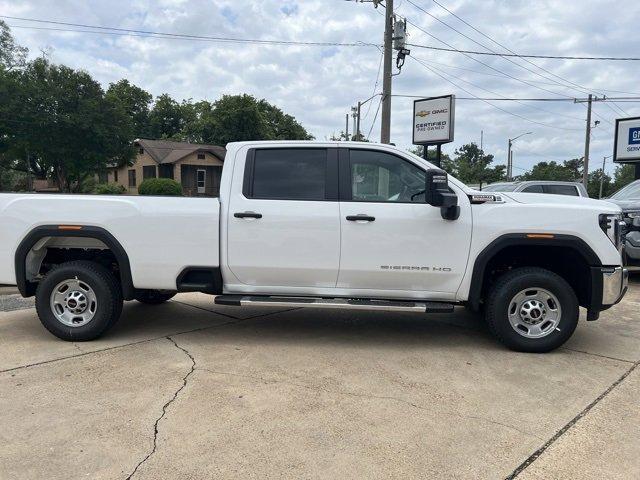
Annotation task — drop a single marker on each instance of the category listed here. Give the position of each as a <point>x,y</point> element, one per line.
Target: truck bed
<point>161,235</point>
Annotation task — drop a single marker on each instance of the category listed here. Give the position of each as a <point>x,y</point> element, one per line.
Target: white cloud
<point>318,85</point>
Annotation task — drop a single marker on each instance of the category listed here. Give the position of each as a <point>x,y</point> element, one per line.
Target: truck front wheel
<point>78,300</point>
<point>532,310</point>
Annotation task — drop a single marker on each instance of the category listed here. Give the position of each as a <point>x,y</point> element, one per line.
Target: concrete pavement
<point>192,390</point>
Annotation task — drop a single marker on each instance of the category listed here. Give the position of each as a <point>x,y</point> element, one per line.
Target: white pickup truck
<point>325,225</point>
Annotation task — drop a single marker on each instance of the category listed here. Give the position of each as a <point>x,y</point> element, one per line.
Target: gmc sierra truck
<point>323,225</point>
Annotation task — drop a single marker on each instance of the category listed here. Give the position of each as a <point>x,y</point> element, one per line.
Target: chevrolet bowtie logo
<point>422,113</point>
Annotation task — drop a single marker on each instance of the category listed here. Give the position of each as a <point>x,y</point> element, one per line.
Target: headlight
<point>612,225</point>
<point>632,215</point>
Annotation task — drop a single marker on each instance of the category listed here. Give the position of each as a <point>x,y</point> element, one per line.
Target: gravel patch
<point>9,303</point>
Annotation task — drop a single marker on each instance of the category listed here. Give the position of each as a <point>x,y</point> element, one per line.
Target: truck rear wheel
<point>153,297</point>
<point>79,300</point>
<point>532,310</point>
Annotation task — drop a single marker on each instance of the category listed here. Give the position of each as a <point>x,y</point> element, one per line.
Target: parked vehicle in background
<point>628,198</point>
<point>573,189</point>
<point>320,224</point>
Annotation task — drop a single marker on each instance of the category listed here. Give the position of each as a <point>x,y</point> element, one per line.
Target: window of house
<point>289,174</point>
<point>141,150</point>
<point>166,170</point>
<point>132,178</point>
<point>201,156</point>
<point>103,177</point>
<point>562,190</point>
<point>115,175</point>
<point>148,171</point>
<point>381,177</point>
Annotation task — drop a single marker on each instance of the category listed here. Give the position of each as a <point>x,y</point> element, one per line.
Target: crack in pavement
<point>165,407</point>
<point>535,455</point>
<point>372,396</point>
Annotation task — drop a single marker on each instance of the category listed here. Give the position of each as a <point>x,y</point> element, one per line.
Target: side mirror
<point>438,194</point>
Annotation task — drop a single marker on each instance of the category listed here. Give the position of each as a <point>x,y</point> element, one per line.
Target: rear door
<point>283,223</point>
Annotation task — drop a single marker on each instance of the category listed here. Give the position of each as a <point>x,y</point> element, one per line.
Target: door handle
<point>360,218</point>
<point>247,215</point>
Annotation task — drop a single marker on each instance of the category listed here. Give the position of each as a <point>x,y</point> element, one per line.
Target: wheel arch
<point>505,245</point>
<point>27,288</point>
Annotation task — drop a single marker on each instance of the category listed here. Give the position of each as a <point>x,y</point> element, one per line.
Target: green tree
<point>12,55</point>
<point>472,166</point>
<point>623,175</point>
<point>135,101</point>
<point>167,118</point>
<point>593,187</point>
<point>235,118</point>
<point>65,127</point>
<point>549,171</point>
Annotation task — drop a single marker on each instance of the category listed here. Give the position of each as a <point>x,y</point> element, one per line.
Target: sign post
<point>433,122</point>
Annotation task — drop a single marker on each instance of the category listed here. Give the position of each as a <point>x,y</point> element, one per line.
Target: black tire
<point>508,286</point>
<point>153,297</point>
<point>108,300</point>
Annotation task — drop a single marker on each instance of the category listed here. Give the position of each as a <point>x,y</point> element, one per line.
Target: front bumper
<point>608,286</point>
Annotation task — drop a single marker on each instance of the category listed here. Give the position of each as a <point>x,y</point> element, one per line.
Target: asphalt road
<point>190,390</point>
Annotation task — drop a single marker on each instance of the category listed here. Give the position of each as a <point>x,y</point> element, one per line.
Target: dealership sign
<point>433,120</point>
<point>626,147</point>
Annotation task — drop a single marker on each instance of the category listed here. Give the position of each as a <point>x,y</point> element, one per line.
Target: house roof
<point>164,151</point>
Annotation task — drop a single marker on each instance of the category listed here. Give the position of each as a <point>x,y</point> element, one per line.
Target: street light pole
<point>510,155</point>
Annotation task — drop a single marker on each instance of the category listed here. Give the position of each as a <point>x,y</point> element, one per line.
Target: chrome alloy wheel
<point>73,302</point>
<point>534,312</point>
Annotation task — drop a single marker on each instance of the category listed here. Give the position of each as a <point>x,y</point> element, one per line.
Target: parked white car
<point>327,225</point>
<point>572,189</point>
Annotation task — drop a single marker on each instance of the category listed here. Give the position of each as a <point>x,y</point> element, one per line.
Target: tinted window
<point>500,187</point>
<point>561,190</point>
<point>149,171</point>
<point>533,189</point>
<point>381,177</point>
<point>290,174</point>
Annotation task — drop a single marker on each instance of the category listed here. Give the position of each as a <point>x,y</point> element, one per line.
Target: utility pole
<point>358,108</point>
<point>346,129</point>
<point>509,160</point>
<point>587,141</point>
<point>385,126</point>
<point>481,140</point>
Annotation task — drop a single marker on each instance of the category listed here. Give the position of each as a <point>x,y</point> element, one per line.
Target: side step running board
<point>334,303</point>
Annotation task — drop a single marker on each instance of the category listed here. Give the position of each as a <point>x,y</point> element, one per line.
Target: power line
<point>525,99</point>
<point>180,36</point>
<point>515,100</point>
<point>491,54</point>
<point>283,42</point>
<point>489,103</point>
<point>565,84</point>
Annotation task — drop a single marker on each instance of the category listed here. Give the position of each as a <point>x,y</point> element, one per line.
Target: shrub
<point>160,186</point>
<point>109,189</point>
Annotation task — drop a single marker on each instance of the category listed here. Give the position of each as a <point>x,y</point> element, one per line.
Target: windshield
<point>630,192</point>
<point>500,187</point>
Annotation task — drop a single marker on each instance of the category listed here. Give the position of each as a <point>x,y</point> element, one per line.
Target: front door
<point>391,239</point>
<point>283,220</point>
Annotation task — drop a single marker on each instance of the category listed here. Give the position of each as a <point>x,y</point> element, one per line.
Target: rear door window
<point>288,174</point>
<point>570,190</point>
<point>533,189</point>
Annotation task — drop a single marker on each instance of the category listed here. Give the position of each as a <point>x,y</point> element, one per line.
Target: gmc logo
<point>634,135</point>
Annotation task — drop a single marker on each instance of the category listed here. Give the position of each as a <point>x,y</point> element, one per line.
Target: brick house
<point>197,167</point>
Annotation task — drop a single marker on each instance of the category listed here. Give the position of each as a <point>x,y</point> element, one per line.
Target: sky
<point>318,85</point>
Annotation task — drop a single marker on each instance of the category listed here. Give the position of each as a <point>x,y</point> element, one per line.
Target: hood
<point>562,200</point>
<point>626,205</point>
